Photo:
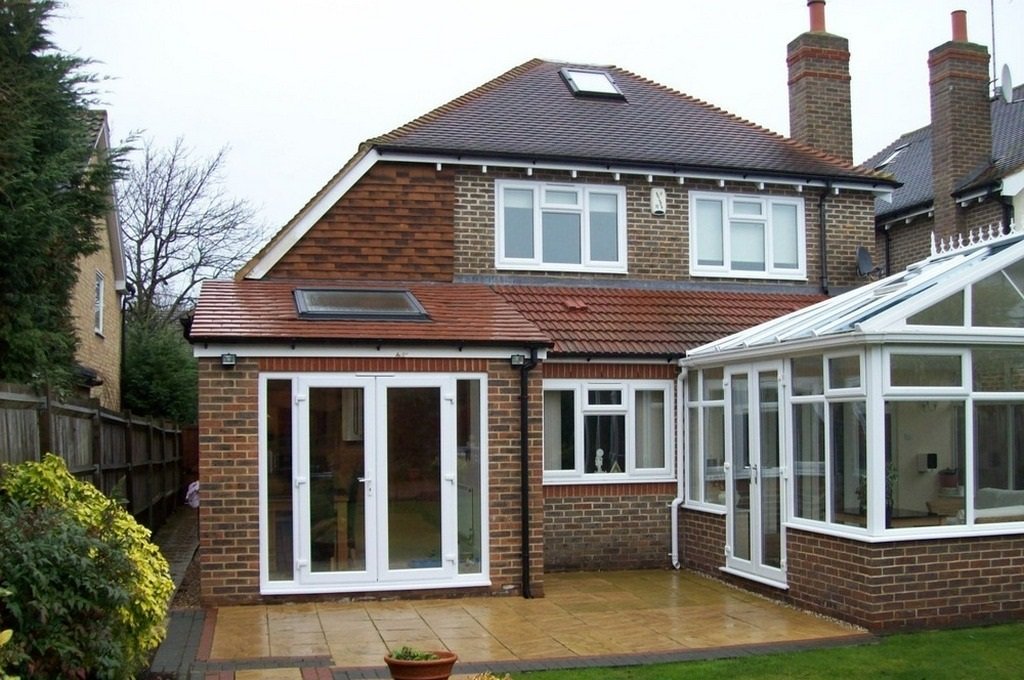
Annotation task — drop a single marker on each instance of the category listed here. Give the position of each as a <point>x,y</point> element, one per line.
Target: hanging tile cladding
<point>658,246</point>
<point>229,454</point>
<point>394,224</point>
<point>602,371</point>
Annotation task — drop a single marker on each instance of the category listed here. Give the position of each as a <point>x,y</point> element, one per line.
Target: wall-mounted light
<point>517,359</point>
<point>228,360</point>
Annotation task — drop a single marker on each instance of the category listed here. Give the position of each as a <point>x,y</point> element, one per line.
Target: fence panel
<point>132,459</point>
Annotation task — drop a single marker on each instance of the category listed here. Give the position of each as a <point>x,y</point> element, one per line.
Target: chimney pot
<point>959,25</point>
<point>817,10</point>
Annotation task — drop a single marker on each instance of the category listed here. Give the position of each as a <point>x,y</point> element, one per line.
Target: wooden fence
<point>126,457</point>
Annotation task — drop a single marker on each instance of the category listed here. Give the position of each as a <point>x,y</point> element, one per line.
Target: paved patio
<point>587,619</point>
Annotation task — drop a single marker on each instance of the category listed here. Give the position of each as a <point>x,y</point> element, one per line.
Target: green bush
<point>89,590</point>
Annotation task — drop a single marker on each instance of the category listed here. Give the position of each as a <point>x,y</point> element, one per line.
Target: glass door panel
<point>337,499</point>
<point>741,468</point>
<point>770,470</point>
<point>414,508</point>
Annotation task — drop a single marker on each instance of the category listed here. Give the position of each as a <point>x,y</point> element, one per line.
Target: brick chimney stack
<point>819,87</point>
<point>961,119</point>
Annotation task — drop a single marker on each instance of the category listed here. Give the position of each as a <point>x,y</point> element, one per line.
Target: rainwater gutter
<point>524,458</point>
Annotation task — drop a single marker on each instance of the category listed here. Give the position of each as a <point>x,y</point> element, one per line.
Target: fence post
<point>149,473</point>
<point>129,459</point>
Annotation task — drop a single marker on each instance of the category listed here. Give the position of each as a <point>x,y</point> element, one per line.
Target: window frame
<point>728,202</point>
<point>581,409</point>
<point>582,208</point>
<point>99,292</point>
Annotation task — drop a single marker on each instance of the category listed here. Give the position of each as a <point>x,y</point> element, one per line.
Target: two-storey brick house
<point>457,366</point>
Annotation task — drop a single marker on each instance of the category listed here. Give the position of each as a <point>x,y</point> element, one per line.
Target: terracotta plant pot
<point>426,669</point>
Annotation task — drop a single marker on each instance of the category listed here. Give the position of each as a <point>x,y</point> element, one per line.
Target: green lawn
<point>991,653</point>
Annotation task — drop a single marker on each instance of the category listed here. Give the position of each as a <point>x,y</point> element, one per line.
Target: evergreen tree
<point>53,189</point>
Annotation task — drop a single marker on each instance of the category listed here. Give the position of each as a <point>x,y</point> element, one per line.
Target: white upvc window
<point>607,431</point>
<point>560,227</point>
<point>747,236</point>
<point>97,305</point>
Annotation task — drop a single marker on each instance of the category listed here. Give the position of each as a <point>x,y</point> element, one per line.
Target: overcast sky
<point>293,87</point>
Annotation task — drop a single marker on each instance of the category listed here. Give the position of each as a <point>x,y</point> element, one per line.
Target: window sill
<point>607,479</point>
<point>541,268</point>
<point>764,276</point>
<point>709,509</point>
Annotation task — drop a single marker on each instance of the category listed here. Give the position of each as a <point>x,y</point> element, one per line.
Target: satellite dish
<point>1006,84</point>
<point>865,267</point>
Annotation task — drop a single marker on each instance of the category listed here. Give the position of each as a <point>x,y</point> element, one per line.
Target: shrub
<point>89,590</point>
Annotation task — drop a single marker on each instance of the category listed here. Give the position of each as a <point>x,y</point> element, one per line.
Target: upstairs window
<point>744,236</point>
<point>560,227</point>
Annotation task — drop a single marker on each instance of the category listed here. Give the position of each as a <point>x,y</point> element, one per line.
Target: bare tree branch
<point>180,227</point>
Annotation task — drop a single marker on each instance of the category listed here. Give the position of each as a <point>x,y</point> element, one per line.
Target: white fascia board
<point>608,169</point>
<point>374,351</point>
<point>1013,185</point>
<point>305,220</point>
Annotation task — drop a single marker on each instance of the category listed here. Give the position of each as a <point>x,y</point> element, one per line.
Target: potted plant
<point>406,663</point>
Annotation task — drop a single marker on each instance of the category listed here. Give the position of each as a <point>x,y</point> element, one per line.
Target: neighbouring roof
<point>639,322</point>
<point>913,166</point>
<point>530,113</point>
<point>882,306</point>
<point>265,310</point>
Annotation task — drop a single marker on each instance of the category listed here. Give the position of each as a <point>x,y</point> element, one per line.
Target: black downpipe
<point>823,238</point>
<point>888,252</point>
<point>524,456</point>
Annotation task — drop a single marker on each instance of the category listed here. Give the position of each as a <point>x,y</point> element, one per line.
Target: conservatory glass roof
<point>928,295</point>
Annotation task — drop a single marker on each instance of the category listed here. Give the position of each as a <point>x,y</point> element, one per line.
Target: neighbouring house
<point>97,295</point>
<point>486,351</point>
<point>962,173</point>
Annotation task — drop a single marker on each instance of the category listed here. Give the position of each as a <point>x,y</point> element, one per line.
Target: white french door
<point>375,480</point>
<point>755,488</point>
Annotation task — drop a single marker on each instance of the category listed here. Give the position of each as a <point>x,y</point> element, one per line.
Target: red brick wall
<point>607,526</point>
<point>229,512</point>
<point>910,584</point>
<point>394,224</point>
<point>229,509</point>
<point>819,93</point>
<point>961,123</point>
<point>884,587</point>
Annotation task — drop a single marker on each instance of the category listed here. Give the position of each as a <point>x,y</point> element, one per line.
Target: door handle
<point>369,484</point>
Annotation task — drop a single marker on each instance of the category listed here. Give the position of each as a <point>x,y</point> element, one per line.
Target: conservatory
<point>843,447</point>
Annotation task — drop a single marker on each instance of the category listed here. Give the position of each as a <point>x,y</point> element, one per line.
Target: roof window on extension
<point>591,83</point>
<point>358,303</point>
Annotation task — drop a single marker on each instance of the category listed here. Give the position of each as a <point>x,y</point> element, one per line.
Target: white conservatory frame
<point>871,324</point>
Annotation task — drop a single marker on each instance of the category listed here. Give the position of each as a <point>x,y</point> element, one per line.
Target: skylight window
<point>591,83</point>
<point>358,303</point>
<point>891,157</point>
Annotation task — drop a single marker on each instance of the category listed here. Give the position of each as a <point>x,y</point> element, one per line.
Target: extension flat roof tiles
<point>265,310</point>
<point>643,322</point>
<point>530,113</point>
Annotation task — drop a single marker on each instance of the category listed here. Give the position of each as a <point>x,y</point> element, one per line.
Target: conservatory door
<point>374,480</point>
<point>755,542</point>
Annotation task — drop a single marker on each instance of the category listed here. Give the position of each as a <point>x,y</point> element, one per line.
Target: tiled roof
<point>264,310</point>
<point>590,321</point>
<point>530,113</point>
<point>913,167</point>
